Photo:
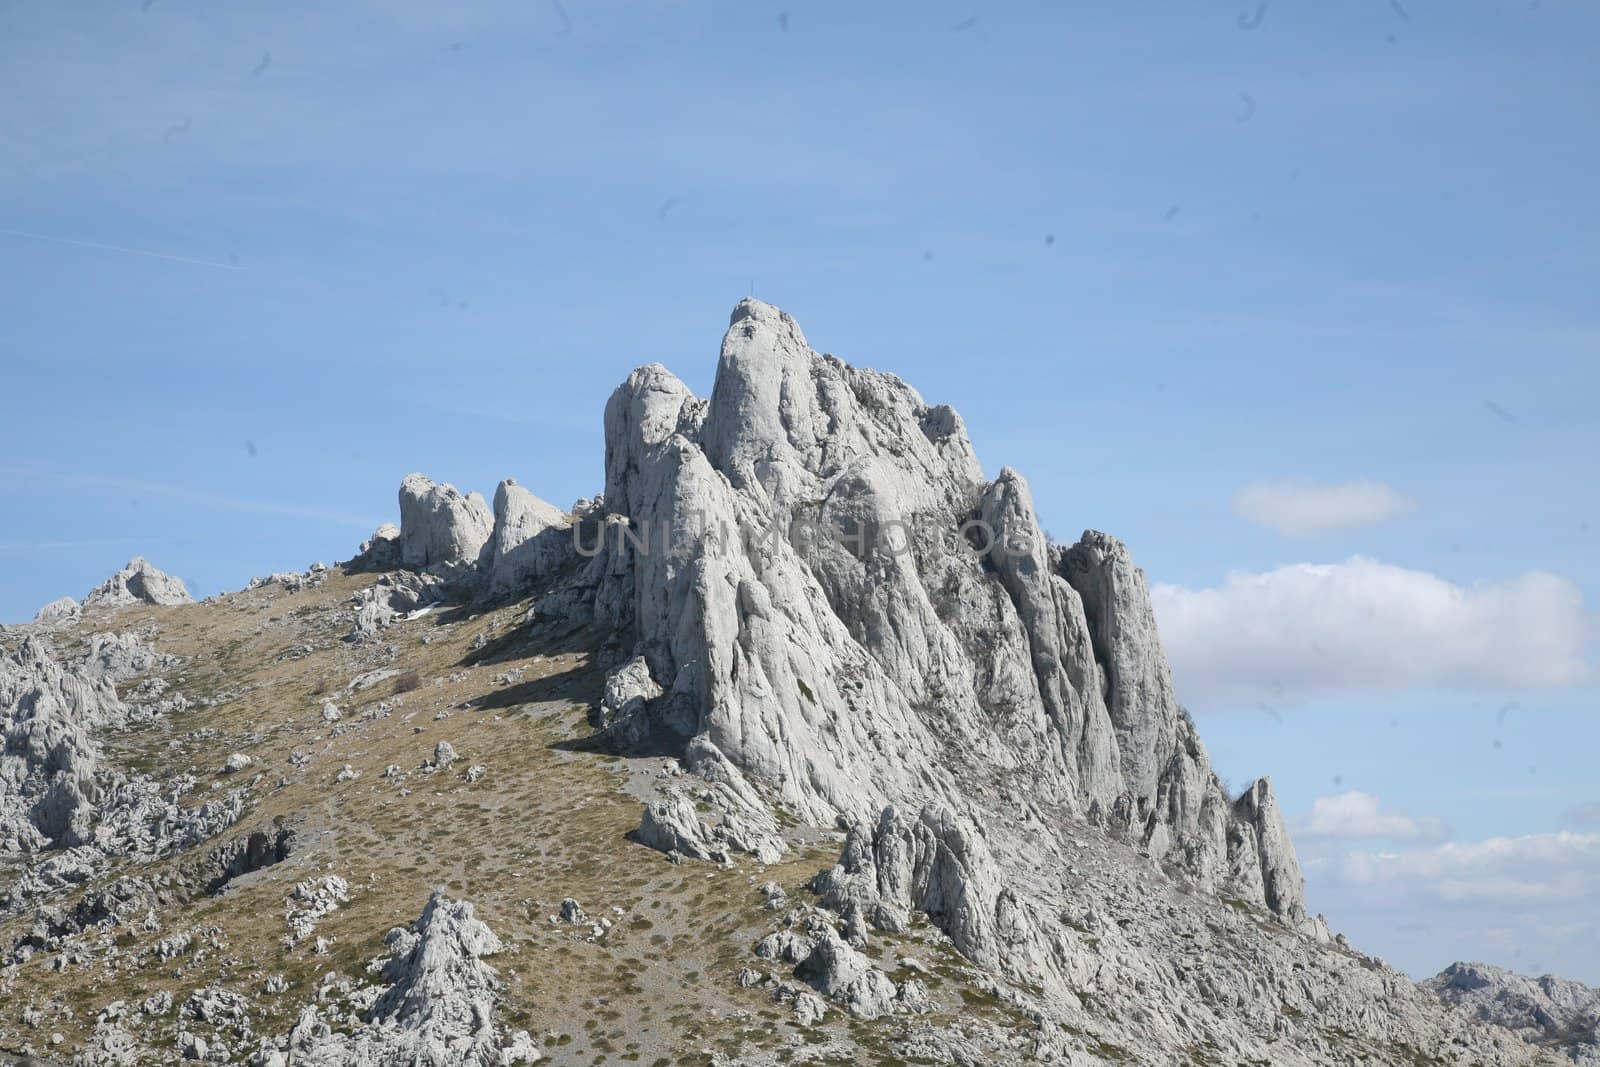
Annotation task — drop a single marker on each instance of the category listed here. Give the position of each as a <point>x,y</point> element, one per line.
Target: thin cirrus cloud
<point>1304,510</point>
<point>1303,630</point>
<point>1359,815</point>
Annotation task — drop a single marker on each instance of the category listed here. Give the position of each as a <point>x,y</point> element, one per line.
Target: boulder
<point>628,689</point>
<point>672,825</point>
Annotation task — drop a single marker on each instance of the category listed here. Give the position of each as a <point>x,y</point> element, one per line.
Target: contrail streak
<point>119,248</point>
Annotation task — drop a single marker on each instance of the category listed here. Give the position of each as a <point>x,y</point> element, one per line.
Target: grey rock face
<point>138,583</point>
<point>838,971</point>
<point>628,689</point>
<point>393,594</point>
<point>1136,683</point>
<point>62,609</point>
<point>530,540</point>
<point>58,804</point>
<point>673,826</point>
<point>440,526</point>
<point>937,864</point>
<point>838,606</point>
<point>1545,1011</point>
<point>48,762</point>
<point>380,552</point>
<point>118,657</point>
<point>1282,887</point>
<point>437,1009</point>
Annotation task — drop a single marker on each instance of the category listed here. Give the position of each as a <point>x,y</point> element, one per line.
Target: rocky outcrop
<point>390,596</point>
<point>440,526</point>
<point>839,972</point>
<point>299,581</point>
<point>1135,681</point>
<point>61,810</point>
<point>628,690</point>
<point>48,762</point>
<point>672,825</point>
<point>1259,825</point>
<point>380,552</point>
<point>836,604</point>
<point>138,583</point>
<point>437,1008</point>
<point>116,657</point>
<point>936,864</point>
<point>531,539</point>
<point>815,612</point>
<point>1547,1010</point>
<point>62,609</point>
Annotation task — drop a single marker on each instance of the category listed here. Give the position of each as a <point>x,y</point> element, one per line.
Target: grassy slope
<point>547,821</point>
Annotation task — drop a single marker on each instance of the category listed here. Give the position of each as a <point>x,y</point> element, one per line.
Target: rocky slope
<point>845,761</point>
<point>1547,1010</point>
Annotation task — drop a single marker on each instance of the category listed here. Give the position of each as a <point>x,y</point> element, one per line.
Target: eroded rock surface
<point>437,1008</point>
<point>62,811</point>
<point>1546,1010</point>
<point>530,540</point>
<point>837,604</point>
<point>62,609</point>
<point>440,525</point>
<point>138,583</point>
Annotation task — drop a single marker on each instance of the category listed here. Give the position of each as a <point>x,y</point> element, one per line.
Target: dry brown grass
<point>544,823</point>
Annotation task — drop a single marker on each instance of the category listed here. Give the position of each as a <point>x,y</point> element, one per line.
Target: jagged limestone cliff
<point>840,608</point>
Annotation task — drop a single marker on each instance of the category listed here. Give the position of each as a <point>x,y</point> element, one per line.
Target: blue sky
<point>261,262</point>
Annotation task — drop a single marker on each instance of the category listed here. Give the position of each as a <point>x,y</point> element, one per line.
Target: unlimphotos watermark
<point>862,538</point>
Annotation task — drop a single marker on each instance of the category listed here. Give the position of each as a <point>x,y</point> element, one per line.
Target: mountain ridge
<point>799,651</point>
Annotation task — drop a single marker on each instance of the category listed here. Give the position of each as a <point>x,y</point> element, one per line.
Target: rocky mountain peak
<point>140,582</point>
<point>816,597</point>
<point>836,606</point>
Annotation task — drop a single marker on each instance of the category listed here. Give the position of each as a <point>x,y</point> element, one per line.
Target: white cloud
<point>1303,629</point>
<point>1304,510</point>
<point>1548,866</point>
<point>1356,814</point>
<point>1526,902</point>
